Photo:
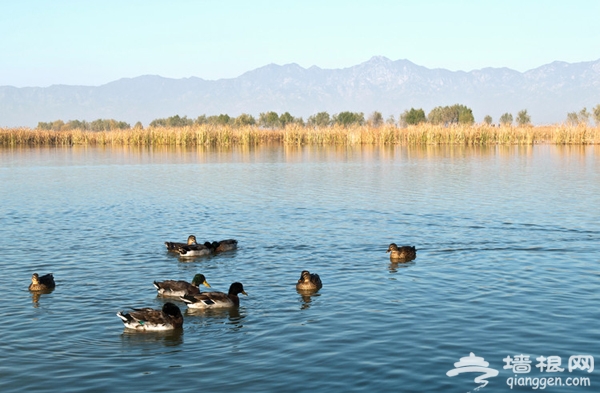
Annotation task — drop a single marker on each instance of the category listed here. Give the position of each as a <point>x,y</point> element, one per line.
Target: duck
<point>207,300</point>
<point>173,246</point>
<point>173,288</point>
<point>225,245</point>
<point>402,253</point>
<point>149,319</point>
<point>309,282</point>
<point>42,283</point>
<point>196,250</point>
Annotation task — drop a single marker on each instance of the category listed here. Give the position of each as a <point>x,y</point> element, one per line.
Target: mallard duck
<point>149,319</point>
<point>172,288</point>
<point>42,283</point>
<point>173,246</point>
<point>216,299</point>
<point>196,250</point>
<point>225,245</point>
<point>402,253</point>
<point>309,282</point>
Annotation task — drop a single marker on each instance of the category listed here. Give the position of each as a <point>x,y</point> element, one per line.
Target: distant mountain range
<point>548,93</point>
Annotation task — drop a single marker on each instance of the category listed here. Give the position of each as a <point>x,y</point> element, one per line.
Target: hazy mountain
<point>547,92</point>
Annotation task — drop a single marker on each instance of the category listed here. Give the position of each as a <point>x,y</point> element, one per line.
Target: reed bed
<point>210,135</point>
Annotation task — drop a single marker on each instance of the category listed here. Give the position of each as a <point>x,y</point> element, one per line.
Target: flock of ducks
<point>193,249</point>
<point>170,316</point>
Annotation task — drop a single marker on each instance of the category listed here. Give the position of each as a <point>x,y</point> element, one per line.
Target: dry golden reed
<point>211,135</point>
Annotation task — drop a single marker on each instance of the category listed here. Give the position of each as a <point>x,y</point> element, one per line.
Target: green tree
<point>201,120</point>
<point>219,120</point>
<point>321,119</point>
<point>138,126</point>
<point>584,116</point>
<point>438,116</point>
<point>375,119</point>
<point>390,120</point>
<point>285,119</point>
<point>348,118</point>
<point>268,120</point>
<point>57,125</point>
<point>413,116</point>
<point>173,121</point>
<point>44,126</point>
<point>572,119</point>
<point>244,120</point>
<point>523,118</point>
<point>597,115</point>
<point>581,117</point>
<point>487,120</point>
<point>465,115</point>
<point>77,125</point>
<point>447,115</point>
<point>506,119</point>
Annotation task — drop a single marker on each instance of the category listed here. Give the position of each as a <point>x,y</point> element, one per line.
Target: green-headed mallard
<point>148,319</point>
<point>42,283</point>
<point>216,299</point>
<point>173,246</point>
<point>402,253</point>
<point>225,245</point>
<point>309,282</point>
<point>196,250</point>
<point>173,288</point>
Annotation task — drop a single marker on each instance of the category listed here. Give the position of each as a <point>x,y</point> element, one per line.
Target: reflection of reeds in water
<point>222,136</point>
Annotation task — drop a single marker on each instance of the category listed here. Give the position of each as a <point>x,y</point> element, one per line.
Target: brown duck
<point>42,283</point>
<point>402,253</point>
<point>309,282</point>
<point>173,246</point>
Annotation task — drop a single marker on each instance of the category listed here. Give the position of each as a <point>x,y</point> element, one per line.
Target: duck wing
<point>208,299</point>
<point>48,280</point>
<point>173,246</point>
<point>225,245</point>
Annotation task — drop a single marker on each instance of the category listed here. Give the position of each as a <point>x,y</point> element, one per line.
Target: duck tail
<point>124,317</point>
<point>186,299</point>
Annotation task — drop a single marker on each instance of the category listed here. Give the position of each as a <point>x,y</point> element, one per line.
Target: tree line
<point>440,115</point>
<point>583,116</point>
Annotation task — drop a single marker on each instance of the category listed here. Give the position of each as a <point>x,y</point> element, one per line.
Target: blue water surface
<point>508,258</point>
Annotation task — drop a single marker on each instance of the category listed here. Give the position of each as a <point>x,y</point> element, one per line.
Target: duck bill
<point>206,284</point>
<point>244,292</point>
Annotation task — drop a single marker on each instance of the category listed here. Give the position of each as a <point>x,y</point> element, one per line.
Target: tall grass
<point>210,135</point>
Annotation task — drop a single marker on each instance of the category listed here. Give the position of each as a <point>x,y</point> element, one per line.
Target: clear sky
<point>93,42</point>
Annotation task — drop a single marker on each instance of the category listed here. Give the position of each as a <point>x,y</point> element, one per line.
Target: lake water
<point>508,264</point>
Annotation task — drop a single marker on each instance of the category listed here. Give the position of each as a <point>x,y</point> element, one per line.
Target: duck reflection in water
<point>394,266</point>
<point>210,316</point>
<point>168,338</point>
<point>307,298</point>
<point>37,295</point>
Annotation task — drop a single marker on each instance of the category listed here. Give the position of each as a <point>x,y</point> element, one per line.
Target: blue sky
<point>94,42</point>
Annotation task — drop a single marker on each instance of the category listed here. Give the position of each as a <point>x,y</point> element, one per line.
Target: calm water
<point>508,263</point>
